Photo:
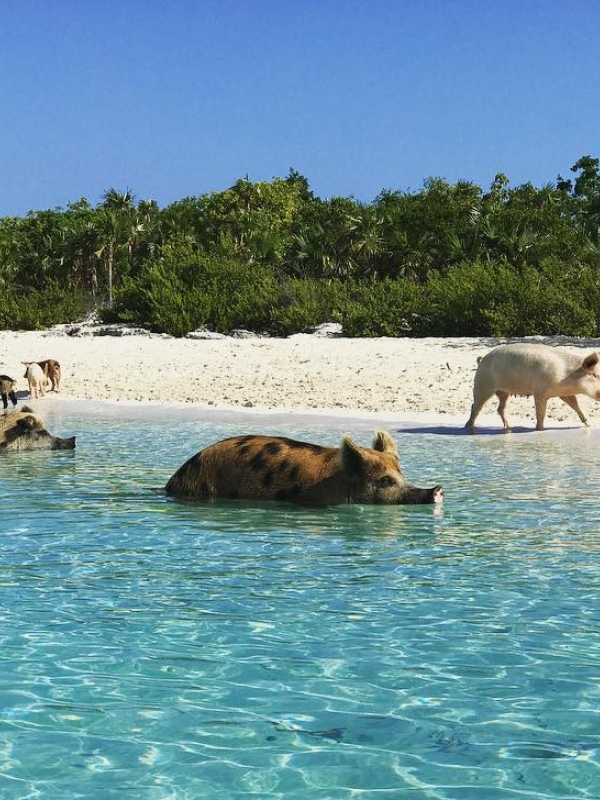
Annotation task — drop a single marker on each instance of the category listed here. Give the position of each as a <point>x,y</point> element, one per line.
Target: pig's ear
<point>351,458</point>
<point>590,361</point>
<point>384,443</point>
<point>26,423</point>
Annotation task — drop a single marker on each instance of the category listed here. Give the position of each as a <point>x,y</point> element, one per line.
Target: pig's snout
<point>63,444</point>
<point>437,494</point>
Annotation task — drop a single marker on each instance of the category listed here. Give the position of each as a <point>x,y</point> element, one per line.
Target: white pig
<point>534,369</point>
<point>35,378</point>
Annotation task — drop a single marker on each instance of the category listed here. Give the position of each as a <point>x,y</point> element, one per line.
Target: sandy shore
<point>407,378</point>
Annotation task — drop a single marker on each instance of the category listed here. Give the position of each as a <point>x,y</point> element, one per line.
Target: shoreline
<point>404,383</point>
<point>361,423</point>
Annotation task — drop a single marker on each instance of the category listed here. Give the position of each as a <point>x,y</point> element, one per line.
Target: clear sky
<point>171,98</point>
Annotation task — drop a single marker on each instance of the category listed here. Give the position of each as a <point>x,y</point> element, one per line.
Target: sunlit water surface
<point>155,649</point>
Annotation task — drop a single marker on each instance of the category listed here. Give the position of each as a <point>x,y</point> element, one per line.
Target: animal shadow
<point>459,430</point>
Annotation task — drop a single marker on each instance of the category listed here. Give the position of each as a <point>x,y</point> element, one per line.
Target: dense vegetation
<point>450,259</point>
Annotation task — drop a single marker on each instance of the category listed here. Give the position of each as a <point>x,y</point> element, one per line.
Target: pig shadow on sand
<point>459,430</point>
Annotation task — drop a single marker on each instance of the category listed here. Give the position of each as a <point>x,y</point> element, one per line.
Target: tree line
<point>450,259</point>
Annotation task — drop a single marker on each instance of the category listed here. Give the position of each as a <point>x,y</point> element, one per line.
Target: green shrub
<point>35,309</point>
<point>462,302</point>
<point>384,308</point>
<point>240,296</point>
<point>152,300</point>
<point>200,292</point>
<point>495,299</point>
<point>304,303</point>
<point>557,298</point>
<point>190,290</point>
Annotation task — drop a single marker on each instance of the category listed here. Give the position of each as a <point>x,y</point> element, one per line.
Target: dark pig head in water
<point>277,468</point>
<point>24,430</point>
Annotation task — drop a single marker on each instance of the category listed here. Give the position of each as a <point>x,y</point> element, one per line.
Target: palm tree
<point>146,237</point>
<point>115,220</point>
<point>81,252</point>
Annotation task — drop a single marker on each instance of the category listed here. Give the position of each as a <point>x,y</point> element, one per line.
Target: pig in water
<point>538,370</point>
<point>24,430</point>
<point>276,468</point>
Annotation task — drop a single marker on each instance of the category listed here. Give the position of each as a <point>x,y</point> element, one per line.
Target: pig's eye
<point>386,482</point>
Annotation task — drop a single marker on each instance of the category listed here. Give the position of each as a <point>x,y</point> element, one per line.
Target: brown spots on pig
<point>257,462</point>
<point>272,448</point>
<point>268,478</point>
<point>242,443</point>
<point>292,471</point>
<point>277,468</point>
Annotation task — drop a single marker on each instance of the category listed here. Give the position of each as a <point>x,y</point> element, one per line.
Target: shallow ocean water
<point>156,649</point>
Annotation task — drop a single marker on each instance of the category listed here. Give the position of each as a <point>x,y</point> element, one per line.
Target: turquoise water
<point>153,649</point>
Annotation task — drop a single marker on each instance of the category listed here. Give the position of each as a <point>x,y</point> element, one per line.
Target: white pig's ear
<point>589,362</point>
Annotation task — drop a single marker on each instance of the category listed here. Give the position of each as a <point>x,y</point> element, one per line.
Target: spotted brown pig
<point>277,468</point>
<point>24,430</point>
<point>530,368</point>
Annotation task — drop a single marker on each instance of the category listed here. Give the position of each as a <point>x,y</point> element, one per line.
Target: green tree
<point>115,225</point>
<point>586,190</point>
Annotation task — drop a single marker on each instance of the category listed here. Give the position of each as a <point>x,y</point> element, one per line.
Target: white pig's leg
<point>482,391</point>
<point>571,400</point>
<point>503,397</point>
<point>540,411</point>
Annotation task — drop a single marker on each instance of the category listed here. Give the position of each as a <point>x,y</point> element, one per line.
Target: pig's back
<point>521,368</point>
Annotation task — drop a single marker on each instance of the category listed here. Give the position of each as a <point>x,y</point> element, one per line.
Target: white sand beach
<point>417,379</point>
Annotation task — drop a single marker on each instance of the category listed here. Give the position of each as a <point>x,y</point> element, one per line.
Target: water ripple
<point>154,649</point>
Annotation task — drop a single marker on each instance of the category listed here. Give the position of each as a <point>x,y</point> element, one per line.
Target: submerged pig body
<point>277,468</point>
<point>24,430</point>
<point>538,370</point>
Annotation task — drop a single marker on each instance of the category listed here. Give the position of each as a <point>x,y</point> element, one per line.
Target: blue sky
<point>172,98</point>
